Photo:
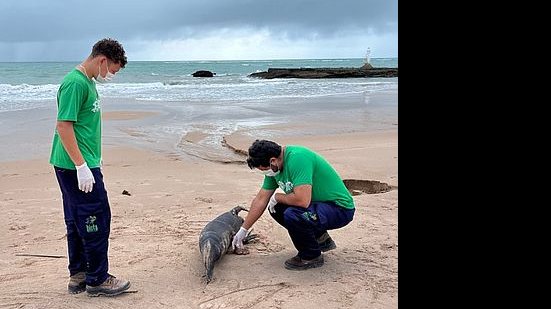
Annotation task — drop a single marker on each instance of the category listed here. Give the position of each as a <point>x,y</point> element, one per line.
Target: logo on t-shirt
<point>287,187</point>
<point>97,106</point>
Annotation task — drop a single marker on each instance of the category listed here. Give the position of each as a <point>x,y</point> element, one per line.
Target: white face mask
<point>269,172</point>
<point>108,76</point>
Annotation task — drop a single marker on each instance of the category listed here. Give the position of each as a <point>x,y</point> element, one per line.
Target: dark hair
<point>111,49</point>
<point>260,153</point>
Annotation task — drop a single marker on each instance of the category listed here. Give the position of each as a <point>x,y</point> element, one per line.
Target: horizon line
<point>197,60</point>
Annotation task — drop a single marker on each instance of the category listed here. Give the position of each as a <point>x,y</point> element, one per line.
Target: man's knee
<point>295,217</point>
<point>285,215</point>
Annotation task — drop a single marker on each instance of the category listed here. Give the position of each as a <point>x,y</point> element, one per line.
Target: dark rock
<point>124,192</point>
<point>203,73</point>
<point>366,66</point>
<point>365,71</point>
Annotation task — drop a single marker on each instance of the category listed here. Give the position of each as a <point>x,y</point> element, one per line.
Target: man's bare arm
<point>69,141</point>
<point>258,205</point>
<point>301,196</point>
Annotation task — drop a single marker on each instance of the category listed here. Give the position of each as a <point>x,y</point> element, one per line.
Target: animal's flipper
<point>237,209</point>
<point>249,238</point>
<point>244,250</point>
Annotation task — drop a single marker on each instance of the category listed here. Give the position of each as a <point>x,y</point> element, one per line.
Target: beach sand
<point>155,231</point>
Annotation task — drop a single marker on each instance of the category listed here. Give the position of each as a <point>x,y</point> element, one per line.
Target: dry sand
<point>155,232</point>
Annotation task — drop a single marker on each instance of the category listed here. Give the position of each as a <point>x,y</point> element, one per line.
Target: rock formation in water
<point>365,71</point>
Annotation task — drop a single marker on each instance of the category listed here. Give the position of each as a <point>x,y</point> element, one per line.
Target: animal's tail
<point>210,255</point>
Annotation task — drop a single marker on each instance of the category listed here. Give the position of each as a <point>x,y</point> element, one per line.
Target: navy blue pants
<point>305,225</point>
<point>88,220</point>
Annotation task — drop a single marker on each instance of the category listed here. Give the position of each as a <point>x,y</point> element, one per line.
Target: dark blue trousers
<point>305,225</point>
<point>88,220</point>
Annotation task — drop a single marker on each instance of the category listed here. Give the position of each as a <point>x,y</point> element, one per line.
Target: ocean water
<point>217,106</point>
<point>33,85</point>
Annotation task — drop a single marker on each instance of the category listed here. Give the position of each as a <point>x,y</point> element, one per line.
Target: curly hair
<point>111,49</point>
<point>260,153</point>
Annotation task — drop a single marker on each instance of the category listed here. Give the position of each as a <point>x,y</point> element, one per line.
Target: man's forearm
<point>292,199</point>
<point>69,141</point>
<point>256,210</point>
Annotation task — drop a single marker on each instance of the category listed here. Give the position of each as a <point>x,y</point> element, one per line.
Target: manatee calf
<point>216,238</point>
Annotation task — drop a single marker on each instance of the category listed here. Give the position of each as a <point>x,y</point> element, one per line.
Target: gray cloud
<point>36,22</point>
<point>39,20</point>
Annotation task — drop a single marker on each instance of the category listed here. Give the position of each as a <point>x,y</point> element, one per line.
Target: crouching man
<point>315,199</point>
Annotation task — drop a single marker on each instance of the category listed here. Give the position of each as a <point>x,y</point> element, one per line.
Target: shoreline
<point>191,129</point>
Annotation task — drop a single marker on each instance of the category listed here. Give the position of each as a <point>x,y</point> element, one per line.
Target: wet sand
<point>126,115</point>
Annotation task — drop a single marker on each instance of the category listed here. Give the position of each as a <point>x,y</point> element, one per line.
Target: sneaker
<point>110,287</point>
<point>326,243</point>
<point>77,283</point>
<point>297,263</point>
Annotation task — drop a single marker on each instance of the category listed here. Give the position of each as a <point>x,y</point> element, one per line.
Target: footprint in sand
<point>204,199</point>
<point>17,227</point>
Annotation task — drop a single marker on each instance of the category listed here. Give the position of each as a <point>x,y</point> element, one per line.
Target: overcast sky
<point>65,30</point>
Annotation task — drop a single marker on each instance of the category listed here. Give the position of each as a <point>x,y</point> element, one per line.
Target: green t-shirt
<point>78,101</point>
<point>302,166</point>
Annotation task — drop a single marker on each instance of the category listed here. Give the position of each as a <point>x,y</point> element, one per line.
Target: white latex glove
<point>85,178</point>
<point>272,203</point>
<point>238,238</point>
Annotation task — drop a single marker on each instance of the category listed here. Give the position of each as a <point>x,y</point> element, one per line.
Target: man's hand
<point>86,179</point>
<point>238,238</point>
<point>272,203</point>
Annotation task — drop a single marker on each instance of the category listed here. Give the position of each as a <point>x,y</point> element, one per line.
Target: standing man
<point>315,199</point>
<point>76,157</point>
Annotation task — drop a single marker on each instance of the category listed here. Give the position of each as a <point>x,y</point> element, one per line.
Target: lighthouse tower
<point>367,65</point>
<point>368,55</point>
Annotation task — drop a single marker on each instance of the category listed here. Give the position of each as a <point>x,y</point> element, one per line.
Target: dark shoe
<point>326,243</point>
<point>296,263</point>
<point>110,287</point>
<point>77,283</point>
